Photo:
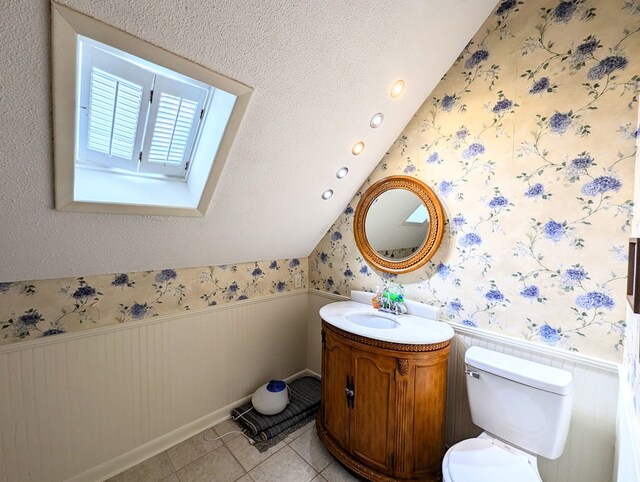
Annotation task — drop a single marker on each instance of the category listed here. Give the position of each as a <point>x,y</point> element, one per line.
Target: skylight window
<point>418,216</point>
<point>136,128</point>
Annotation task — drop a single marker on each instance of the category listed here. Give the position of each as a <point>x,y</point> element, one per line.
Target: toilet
<point>524,409</point>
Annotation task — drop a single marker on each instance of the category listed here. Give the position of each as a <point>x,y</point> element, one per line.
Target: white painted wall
<point>85,406</point>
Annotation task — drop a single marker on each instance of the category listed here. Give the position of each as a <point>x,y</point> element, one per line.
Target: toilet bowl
<point>487,459</point>
<point>524,409</point>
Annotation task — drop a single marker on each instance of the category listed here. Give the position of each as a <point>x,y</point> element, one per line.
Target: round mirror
<point>398,224</point>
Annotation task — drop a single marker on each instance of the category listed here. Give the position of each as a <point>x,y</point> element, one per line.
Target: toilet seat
<point>486,459</point>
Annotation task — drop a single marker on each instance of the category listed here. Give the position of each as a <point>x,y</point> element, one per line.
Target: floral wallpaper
<point>529,141</point>
<point>34,309</point>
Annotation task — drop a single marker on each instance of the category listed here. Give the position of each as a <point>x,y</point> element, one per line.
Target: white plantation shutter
<point>172,127</point>
<point>175,119</point>
<point>113,109</point>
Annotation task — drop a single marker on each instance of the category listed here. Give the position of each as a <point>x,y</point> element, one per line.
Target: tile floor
<point>300,457</point>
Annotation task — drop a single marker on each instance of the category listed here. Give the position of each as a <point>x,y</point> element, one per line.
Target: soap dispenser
<point>376,301</point>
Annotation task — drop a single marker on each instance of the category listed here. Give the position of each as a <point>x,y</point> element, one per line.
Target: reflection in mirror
<point>397,224</point>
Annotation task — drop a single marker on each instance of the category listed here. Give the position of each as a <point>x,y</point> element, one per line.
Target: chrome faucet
<point>395,306</point>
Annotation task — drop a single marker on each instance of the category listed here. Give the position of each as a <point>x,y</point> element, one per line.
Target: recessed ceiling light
<point>327,194</point>
<point>357,148</point>
<point>342,172</point>
<point>376,120</point>
<point>397,88</point>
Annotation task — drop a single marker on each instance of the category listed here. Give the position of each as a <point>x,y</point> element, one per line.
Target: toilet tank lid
<point>529,373</point>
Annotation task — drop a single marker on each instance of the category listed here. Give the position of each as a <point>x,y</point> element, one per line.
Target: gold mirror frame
<point>436,224</point>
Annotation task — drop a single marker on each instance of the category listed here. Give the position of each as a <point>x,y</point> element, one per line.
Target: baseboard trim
<point>154,447</point>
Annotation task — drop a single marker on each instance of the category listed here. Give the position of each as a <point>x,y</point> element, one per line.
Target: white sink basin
<point>372,320</point>
<point>361,319</point>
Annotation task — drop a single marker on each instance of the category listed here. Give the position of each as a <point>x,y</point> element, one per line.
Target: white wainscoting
<point>589,453</point>
<point>87,405</point>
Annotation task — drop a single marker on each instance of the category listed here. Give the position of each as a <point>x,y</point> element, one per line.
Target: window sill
<point>112,192</point>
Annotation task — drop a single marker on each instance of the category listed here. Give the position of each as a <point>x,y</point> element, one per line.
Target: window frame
<point>67,24</point>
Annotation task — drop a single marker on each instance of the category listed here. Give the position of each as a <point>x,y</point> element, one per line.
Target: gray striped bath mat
<point>268,430</point>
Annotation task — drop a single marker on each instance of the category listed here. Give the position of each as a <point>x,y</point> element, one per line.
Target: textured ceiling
<point>319,69</point>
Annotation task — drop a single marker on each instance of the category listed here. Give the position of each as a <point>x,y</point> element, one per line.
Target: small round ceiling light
<point>327,194</point>
<point>357,148</point>
<point>397,88</point>
<point>376,120</point>
<point>342,172</point>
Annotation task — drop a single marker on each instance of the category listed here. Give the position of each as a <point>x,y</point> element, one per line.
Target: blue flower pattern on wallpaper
<point>164,284</point>
<point>541,85</point>
<point>537,205</point>
<point>122,279</point>
<point>234,283</point>
<point>78,303</point>
<point>125,297</point>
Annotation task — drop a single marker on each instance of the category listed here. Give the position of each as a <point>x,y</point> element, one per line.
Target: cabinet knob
<point>349,392</point>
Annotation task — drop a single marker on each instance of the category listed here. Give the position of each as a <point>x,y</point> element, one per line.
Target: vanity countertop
<point>353,317</point>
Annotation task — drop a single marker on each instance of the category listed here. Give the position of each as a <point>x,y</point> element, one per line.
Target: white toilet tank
<point>522,402</point>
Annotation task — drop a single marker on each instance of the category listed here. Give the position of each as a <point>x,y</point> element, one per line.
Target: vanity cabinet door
<point>421,388</point>
<point>336,368</point>
<point>374,408</point>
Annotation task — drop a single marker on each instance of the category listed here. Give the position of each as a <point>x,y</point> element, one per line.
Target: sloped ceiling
<point>319,69</point>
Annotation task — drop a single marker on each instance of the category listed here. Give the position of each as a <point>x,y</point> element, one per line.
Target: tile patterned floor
<point>300,457</point>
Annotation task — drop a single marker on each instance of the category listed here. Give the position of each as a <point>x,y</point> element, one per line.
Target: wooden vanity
<point>383,405</point>
<point>384,378</point>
